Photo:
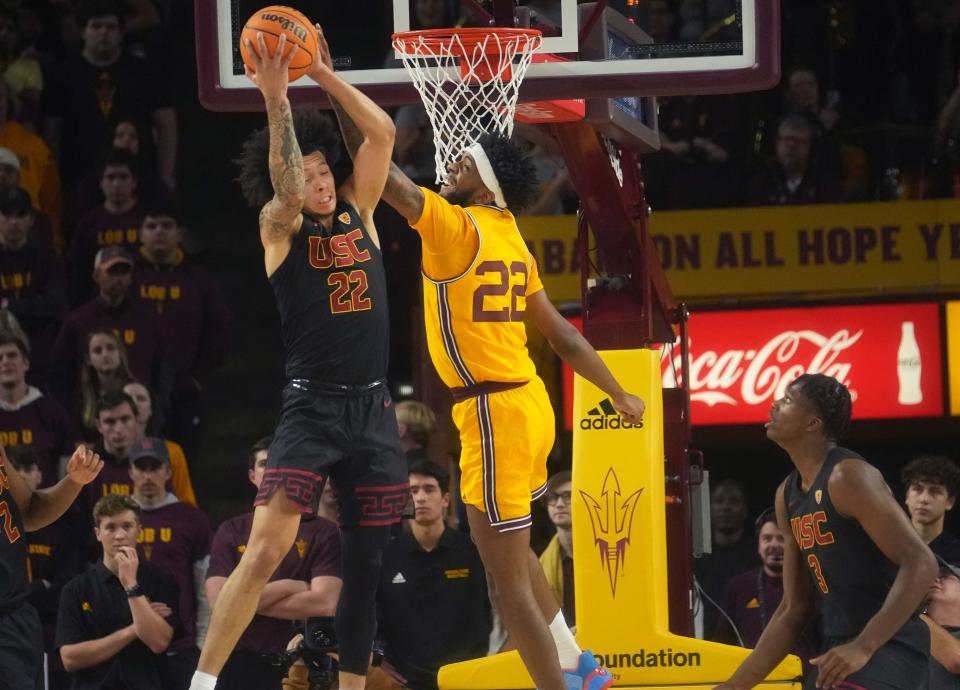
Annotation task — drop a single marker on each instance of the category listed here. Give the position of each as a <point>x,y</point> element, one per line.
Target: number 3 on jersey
<point>814,564</point>
<point>505,281</point>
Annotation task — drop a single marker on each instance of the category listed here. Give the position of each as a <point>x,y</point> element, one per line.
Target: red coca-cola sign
<point>889,357</point>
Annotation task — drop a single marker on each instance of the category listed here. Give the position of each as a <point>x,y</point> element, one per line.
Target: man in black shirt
<point>23,510</point>
<point>120,614</point>
<point>433,607</point>
<point>943,617</point>
<point>932,483</point>
<point>323,260</point>
<point>863,559</point>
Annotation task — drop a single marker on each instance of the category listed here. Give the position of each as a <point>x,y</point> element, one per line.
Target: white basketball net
<point>468,87</point>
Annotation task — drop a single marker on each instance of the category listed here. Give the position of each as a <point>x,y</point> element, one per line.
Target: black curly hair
<point>514,170</point>
<point>315,132</point>
<point>932,469</point>
<point>831,400</point>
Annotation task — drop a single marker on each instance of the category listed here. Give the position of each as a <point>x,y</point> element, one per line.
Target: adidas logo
<point>605,416</point>
<point>399,579</point>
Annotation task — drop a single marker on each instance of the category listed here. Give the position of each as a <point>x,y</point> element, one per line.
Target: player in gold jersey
<point>479,282</point>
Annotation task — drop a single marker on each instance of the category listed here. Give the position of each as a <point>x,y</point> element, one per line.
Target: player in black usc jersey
<point>323,261</point>
<point>21,511</point>
<point>852,547</point>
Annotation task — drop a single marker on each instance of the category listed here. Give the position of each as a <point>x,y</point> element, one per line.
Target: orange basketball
<point>276,21</point>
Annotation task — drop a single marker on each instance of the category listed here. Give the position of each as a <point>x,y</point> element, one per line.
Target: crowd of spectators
<point>109,334</point>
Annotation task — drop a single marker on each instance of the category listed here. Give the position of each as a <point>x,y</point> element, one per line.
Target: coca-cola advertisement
<point>889,356</point>
<point>741,361</point>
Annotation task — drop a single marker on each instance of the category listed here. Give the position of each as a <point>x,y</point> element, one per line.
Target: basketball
<point>276,21</point>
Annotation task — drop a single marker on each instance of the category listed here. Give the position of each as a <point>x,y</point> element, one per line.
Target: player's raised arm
<point>370,145</point>
<point>44,506</point>
<point>280,217</point>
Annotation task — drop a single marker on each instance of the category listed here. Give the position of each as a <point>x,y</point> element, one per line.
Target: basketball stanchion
<point>469,81</point>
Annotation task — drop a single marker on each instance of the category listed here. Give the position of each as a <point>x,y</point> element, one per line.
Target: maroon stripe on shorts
<point>484,388</point>
<point>299,486</point>
<point>381,505</point>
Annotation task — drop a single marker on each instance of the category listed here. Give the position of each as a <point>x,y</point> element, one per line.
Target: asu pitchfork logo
<point>612,520</point>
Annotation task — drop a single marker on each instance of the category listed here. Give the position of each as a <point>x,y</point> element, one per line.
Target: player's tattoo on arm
<point>286,172</point>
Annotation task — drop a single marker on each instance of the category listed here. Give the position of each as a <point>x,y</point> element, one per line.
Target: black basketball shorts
<point>347,434</point>
<point>21,649</point>
<point>903,663</point>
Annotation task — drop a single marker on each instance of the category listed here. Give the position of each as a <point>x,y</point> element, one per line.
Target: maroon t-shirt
<point>99,228</point>
<point>193,317</point>
<point>135,322</point>
<point>44,426</point>
<point>173,538</point>
<point>315,553</point>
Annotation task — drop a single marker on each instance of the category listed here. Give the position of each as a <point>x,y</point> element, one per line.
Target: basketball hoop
<point>468,79</point>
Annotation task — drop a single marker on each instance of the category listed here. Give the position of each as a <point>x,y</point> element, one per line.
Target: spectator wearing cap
<point>175,537</point>
<point>180,483</point>
<point>114,222</point>
<point>119,431</point>
<point>28,417</point>
<point>751,598</point>
<point>37,170</point>
<point>557,558</point>
<point>119,616</point>
<point>114,307</point>
<point>306,583</point>
<point>193,316</point>
<point>55,555</point>
<point>942,615</point>
<point>427,573</point>
<point>931,483</point>
<point>32,284</point>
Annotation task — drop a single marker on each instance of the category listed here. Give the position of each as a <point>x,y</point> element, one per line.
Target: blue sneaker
<point>589,675</point>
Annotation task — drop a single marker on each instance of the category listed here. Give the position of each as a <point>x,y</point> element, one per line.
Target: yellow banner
<point>905,247</point>
<point>953,355</point>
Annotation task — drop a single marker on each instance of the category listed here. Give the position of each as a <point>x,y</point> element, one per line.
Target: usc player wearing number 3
<point>479,283</point>
<point>852,547</point>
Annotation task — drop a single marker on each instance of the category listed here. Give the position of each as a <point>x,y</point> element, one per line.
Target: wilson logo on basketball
<point>605,416</point>
<point>286,24</point>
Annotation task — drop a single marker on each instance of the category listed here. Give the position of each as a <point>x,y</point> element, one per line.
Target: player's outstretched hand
<point>84,465</point>
<point>270,75</point>
<point>838,663</point>
<point>630,407</point>
<point>322,63</point>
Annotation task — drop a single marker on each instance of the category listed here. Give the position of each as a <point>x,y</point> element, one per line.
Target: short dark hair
<point>932,469</point>
<point>427,468</point>
<point>768,515</point>
<point>22,457</point>
<point>797,121</point>
<point>94,9</point>
<point>15,201</point>
<point>831,400</point>
<point>315,131</point>
<point>114,504</point>
<point>112,399</point>
<point>514,169</point>
<point>10,338</point>
<point>555,480</point>
<point>261,444</point>
<point>118,157</point>
<point>160,205</point>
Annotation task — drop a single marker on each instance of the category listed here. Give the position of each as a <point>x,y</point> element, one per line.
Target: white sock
<point>203,681</point>
<point>567,648</point>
